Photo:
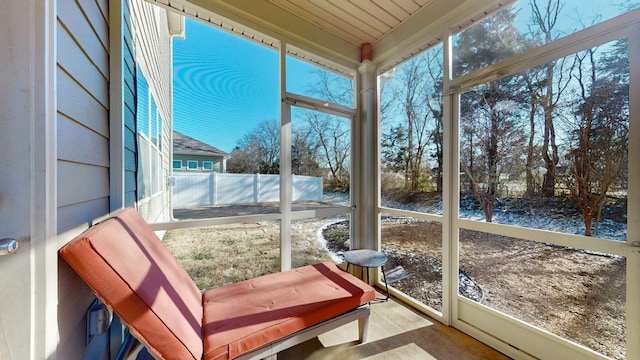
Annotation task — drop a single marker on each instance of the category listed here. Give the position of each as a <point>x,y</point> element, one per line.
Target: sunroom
<point>484,147</point>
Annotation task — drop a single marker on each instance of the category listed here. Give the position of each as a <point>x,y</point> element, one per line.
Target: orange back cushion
<point>132,272</point>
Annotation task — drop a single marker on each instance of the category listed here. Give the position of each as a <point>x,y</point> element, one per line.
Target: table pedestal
<point>366,258</point>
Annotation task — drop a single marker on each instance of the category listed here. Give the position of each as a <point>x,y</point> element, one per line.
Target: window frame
<point>205,163</point>
<point>189,162</point>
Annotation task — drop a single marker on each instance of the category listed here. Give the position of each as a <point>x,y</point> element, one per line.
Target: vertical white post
<point>256,188</point>
<point>450,191</point>
<point>633,200</point>
<point>28,179</point>
<point>285,164</point>
<point>366,138</point>
<point>44,248</point>
<point>214,189</point>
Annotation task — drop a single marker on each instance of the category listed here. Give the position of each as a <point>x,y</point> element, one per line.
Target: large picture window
<point>151,167</point>
<point>411,156</point>
<point>543,173</point>
<point>547,148</point>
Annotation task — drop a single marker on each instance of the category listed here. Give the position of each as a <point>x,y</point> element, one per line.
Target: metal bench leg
<point>385,283</point>
<point>363,329</point>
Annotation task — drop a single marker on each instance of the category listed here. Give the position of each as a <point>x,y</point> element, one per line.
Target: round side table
<point>367,259</point>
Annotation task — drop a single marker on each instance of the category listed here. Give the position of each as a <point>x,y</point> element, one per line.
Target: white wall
<point>53,178</point>
<point>22,63</point>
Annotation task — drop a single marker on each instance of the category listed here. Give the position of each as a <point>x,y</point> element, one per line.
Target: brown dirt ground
<point>570,293</point>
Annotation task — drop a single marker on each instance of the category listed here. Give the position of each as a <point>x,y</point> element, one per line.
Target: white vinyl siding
<point>82,147</point>
<point>83,73</point>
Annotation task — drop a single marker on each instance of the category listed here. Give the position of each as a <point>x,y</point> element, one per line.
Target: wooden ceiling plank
<point>376,11</point>
<point>409,6</point>
<point>301,8</point>
<point>392,8</point>
<point>356,12</point>
<point>354,17</point>
<point>423,3</point>
<point>322,14</point>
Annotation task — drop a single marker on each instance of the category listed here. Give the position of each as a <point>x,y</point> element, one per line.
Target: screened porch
<point>485,147</point>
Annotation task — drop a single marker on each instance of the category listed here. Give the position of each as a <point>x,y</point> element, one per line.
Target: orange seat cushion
<point>244,316</point>
<point>132,272</point>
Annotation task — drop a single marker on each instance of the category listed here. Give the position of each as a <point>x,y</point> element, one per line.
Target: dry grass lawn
<point>571,293</point>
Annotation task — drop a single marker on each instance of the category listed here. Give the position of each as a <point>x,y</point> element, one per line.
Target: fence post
<point>256,188</point>
<point>214,189</point>
<point>293,188</point>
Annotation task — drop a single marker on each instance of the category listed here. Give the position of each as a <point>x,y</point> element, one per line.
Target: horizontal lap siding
<point>82,147</point>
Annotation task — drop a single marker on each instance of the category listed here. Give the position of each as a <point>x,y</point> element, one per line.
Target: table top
<point>365,257</point>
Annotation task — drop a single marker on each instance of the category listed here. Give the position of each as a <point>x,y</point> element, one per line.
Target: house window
<point>207,165</point>
<point>192,165</point>
<point>177,164</point>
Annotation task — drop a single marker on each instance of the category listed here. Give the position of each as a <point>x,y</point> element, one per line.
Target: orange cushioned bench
<point>131,271</point>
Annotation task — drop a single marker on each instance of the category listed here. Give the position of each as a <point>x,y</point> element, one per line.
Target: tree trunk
<point>549,147</point>
<point>531,186</point>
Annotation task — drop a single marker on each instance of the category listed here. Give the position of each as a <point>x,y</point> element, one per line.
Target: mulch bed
<point>572,293</point>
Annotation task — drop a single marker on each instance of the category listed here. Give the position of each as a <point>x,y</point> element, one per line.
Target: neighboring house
<point>190,154</point>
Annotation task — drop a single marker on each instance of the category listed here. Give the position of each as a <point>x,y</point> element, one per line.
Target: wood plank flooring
<point>396,332</point>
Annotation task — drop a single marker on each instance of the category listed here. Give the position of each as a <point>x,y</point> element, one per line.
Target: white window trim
<point>189,162</point>
<point>173,164</point>
<point>204,163</point>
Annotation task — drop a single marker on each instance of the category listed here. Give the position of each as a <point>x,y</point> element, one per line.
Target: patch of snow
<point>337,198</point>
<point>532,219</point>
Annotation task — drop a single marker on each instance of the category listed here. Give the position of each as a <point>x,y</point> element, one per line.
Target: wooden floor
<point>395,332</point>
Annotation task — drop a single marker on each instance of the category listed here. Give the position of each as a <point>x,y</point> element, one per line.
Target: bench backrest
<point>131,271</point>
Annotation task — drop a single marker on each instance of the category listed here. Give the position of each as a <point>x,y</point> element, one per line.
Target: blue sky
<point>225,85</point>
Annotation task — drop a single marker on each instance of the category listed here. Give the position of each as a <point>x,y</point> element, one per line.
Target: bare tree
<point>434,103</point>
<point>332,136</point>
<point>545,18</point>
<point>304,153</point>
<point>415,102</point>
<point>599,139</point>
<point>332,87</point>
<point>490,124</point>
<point>499,139</point>
<point>258,151</point>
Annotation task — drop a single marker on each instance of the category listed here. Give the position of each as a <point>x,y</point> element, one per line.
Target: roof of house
<point>185,145</point>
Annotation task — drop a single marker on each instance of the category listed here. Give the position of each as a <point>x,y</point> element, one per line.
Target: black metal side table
<point>366,258</point>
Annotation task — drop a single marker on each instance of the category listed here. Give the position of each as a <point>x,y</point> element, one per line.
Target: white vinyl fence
<point>197,189</point>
